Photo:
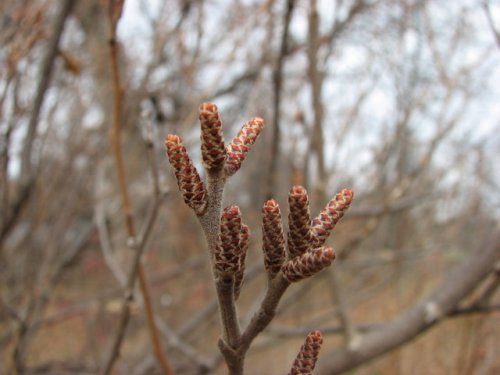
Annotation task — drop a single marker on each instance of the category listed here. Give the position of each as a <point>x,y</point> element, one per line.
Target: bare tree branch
<point>45,76</point>
<point>491,22</point>
<point>277,91</point>
<point>456,285</point>
<point>138,243</point>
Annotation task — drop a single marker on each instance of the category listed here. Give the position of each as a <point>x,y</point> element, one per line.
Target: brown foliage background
<point>394,99</point>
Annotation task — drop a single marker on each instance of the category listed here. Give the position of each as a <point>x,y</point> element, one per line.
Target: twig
<point>227,237</point>
<point>45,77</point>
<point>339,25</point>
<point>190,352</point>
<point>266,312</point>
<point>87,307</point>
<point>30,320</point>
<point>491,22</point>
<point>201,316</point>
<point>388,208</point>
<point>442,301</point>
<point>103,233</point>
<point>133,272</point>
<point>277,90</point>
<point>339,299</point>
<point>210,308</point>
<point>5,144</point>
<point>227,308</point>
<point>210,222</point>
<point>315,76</point>
<point>317,146</point>
<point>474,309</point>
<point>491,288</point>
<point>15,209</point>
<point>288,332</point>
<point>136,269</point>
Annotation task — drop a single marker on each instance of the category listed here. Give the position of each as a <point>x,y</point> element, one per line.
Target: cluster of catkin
<point>229,253</point>
<point>302,254</point>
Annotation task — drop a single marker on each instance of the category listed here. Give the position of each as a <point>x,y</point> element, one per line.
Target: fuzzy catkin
<point>308,264</point>
<point>242,255</point>
<point>227,257</point>
<point>188,180</point>
<point>239,147</point>
<point>213,151</point>
<point>299,219</point>
<point>273,241</point>
<point>325,222</point>
<point>308,354</point>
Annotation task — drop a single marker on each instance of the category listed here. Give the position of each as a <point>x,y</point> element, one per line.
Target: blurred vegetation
<point>395,99</point>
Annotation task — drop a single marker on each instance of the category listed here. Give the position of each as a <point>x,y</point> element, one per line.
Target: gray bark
<point>456,285</point>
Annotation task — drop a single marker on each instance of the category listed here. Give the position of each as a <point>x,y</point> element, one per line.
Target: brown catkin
<point>213,151</point>
<point>273,240</point>
<point>308,264</point>
<point>299,219</point>
<point>242,255</point>
<point>308,354</point>
<point>188,180</point>
<point>325,222</point>
<point>227,251</point>
<point>239,147</point>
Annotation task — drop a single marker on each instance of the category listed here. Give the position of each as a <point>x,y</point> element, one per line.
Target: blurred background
<point>397,100</point>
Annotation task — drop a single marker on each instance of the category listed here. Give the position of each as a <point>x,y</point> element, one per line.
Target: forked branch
<point>138,243</point>
<point>301,256</point>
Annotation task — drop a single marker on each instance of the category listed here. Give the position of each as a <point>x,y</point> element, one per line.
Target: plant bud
<point>308,264</point>
<point>273,241</point>
<point>308,355</point>
<point>213,151</point>
<point>239,147</point>
<point>192,188</point>
<point>325,222</point>
<point>299,219</point>
<point>227,251</point>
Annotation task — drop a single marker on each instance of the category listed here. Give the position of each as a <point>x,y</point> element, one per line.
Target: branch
<point>45,76</point>
<point>103,234</point>
<point>32,316</point>
<point>474,310</point>
<point>14,211</point>
<point>266,312</point>
<point>227,237</point>
<point>294,332</point>
<point>138,243</point>
<point>491,23</point>
<point>86,307</point>
<point>457,284</point>
<point>277,89</point>
<point>176,342</point>
<point>391,207</point>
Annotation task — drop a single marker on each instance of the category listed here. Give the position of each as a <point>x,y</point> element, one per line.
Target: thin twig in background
<point>31,321</point>
<point>315,76</point>
<point>103,232</point>
<point>25,328</point>
<point>138,243</point>
<point>86,308</point>
<point>6,221</point>
<point>45,77</point>
<point>491,22</point>
<point>282,332</point>
<point>28,172</point>
<point>457,284</point>
<point>203,364</point>
<point>69,142</point>
<point>277,92</point>
<point>316,146</point>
